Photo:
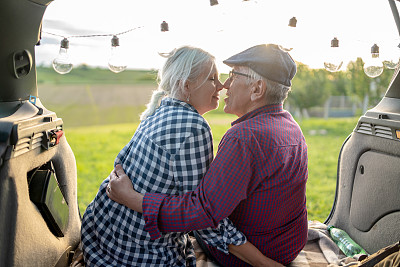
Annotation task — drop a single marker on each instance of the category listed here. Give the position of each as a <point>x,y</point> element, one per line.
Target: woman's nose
<point>219,86</point>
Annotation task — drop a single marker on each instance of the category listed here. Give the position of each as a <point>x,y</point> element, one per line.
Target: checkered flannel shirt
<point>169,153</point>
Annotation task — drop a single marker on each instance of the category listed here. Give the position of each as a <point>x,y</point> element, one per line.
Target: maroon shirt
<point>258,180</point>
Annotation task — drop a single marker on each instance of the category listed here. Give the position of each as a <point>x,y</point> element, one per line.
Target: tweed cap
<point>268,60</point>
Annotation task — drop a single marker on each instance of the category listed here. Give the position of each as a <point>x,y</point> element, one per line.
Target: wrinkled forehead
<point>241,68</point>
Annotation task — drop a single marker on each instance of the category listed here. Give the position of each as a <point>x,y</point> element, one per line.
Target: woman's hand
<point>120,189</point>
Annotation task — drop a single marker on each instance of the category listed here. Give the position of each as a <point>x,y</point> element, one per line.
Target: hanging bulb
<point>391,63</point>
<point>373,66</point>
<point>117,62</point>
<point>392,58</point>
<point>334,61</point>
<point>165,41</point>
<point>289,35</point>
<point>213,2</point>
<point>62,63</point>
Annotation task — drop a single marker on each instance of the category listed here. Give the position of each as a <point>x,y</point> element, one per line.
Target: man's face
<point>238,93</point>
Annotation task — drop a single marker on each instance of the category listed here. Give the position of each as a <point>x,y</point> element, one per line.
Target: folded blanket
<point>320,251</point>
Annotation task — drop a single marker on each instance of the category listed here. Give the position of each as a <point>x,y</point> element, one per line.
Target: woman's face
<point>204,92</point>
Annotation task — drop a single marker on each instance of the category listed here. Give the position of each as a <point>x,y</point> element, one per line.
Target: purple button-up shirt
<point>258,180</point>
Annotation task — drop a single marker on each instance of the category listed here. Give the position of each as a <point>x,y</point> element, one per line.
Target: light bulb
<point>289,35</point>
<point>334,61</point>
<point>62,63</point>
<point>391,57</point>
<point>117,62</point>
<point>373,66</point>
<point>166,48</point>
<point>390,63</point>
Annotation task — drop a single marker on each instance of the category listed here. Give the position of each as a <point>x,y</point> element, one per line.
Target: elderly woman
<point>169,153</point>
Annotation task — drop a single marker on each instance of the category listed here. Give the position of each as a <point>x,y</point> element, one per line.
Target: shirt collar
<point>273,108</point>
<point>169,101</point>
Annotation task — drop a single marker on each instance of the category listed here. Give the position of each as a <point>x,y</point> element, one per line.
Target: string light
<point>392,58</point>
<point>286,43</point>
<point>164,41</point>
<point>62,63</point>
<point>373,66</point>
<point>117,60</point>
<point>334,61</point>
<point>390,64</point>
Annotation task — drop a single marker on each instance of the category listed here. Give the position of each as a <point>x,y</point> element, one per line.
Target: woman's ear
<point>186,90</point>
<point>186,87</point>
<point>258,90</point>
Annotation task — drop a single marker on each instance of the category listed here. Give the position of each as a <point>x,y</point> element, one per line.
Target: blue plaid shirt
<point>169,153</point>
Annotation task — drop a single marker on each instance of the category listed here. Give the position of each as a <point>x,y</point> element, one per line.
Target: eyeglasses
<point>231,73</point>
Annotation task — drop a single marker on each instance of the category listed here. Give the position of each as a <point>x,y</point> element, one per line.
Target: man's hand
<point>120,189</point>
<point>249,253</point>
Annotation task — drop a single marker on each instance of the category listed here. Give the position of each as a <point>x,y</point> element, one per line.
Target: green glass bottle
<point>344,242</point>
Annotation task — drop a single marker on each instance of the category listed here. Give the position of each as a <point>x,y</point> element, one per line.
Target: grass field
<point>95,148</point>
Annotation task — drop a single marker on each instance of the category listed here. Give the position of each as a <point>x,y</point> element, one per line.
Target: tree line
<point>312,87</point>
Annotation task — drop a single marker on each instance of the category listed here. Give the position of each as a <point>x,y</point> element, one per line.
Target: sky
<point>223,30</point>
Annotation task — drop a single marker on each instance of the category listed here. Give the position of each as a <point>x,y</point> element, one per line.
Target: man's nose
<point>227,83</point>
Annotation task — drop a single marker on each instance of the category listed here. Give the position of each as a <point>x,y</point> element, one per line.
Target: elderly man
<point>258,177</point>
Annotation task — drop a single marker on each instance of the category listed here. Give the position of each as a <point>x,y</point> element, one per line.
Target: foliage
<point>362,85</point>
<point>309,87</point>
<point>312,87</point>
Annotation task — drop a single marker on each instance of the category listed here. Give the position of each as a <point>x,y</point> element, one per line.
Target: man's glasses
<point>232,73</point>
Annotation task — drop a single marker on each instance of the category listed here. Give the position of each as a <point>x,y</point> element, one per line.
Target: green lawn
<point>95,149</point>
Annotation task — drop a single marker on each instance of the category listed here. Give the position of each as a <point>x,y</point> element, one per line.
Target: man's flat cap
<point>268,60</point>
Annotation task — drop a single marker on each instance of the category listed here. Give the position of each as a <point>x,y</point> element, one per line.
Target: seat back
<point>367,202</point>
<point>30,139</point>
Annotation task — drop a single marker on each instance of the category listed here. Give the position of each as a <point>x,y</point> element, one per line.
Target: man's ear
<point>258,90</point>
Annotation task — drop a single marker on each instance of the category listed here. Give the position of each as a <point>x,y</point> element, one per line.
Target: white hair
<point>276,93</point>
<point>184,64</point>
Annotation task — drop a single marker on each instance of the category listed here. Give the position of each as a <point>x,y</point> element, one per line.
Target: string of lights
<point>93,35</point>
<point>62,64</point>
<point>373,66</point>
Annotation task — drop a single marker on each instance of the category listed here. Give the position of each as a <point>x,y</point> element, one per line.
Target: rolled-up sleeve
<point>222,236</point>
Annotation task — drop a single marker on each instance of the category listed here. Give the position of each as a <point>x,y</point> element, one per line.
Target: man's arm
<point>250,254</point>
<point>228,181</point>
<point>122,192</point>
